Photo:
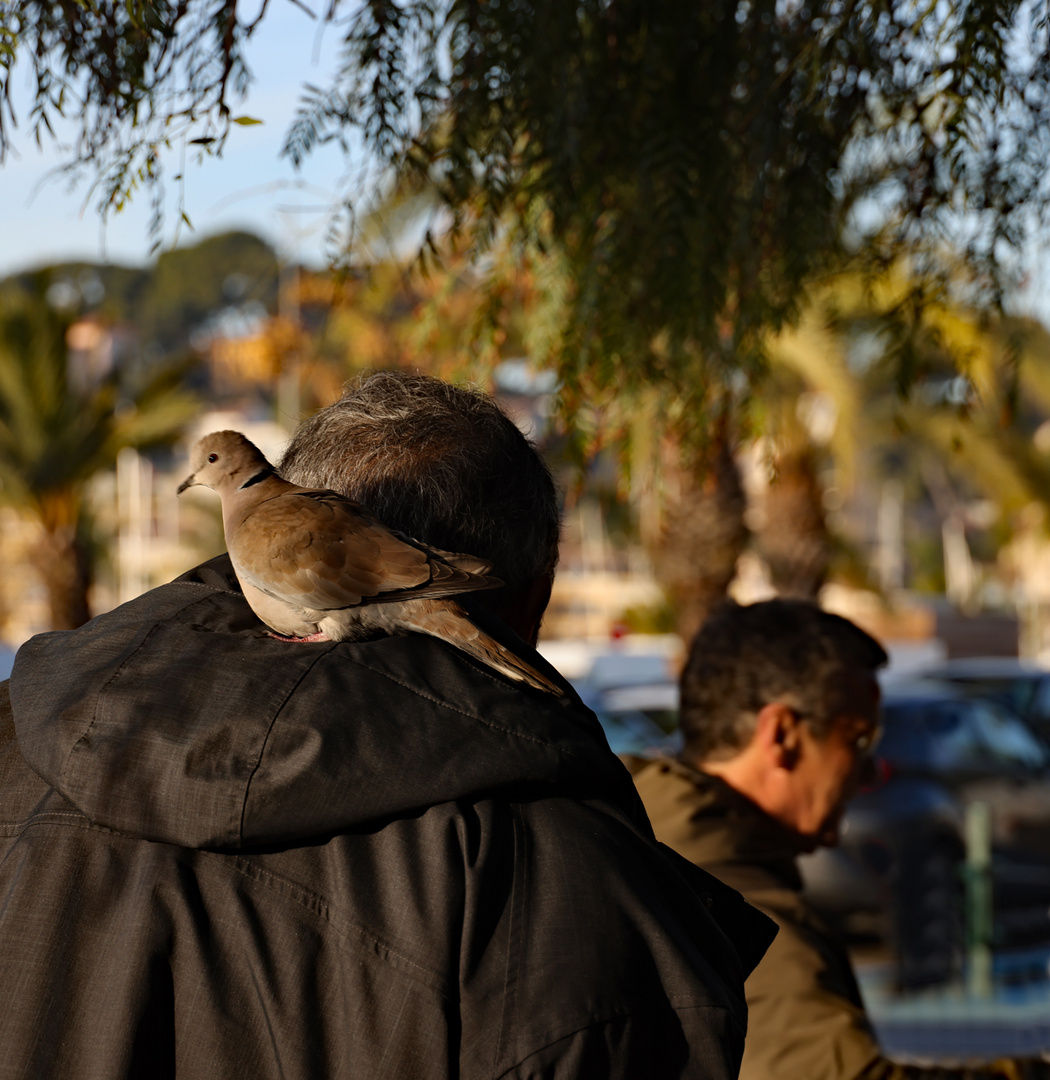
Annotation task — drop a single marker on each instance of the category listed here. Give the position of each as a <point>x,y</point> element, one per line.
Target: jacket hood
<point>176,718</point>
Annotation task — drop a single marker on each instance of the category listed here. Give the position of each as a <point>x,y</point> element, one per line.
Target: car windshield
<point>1006,737</point>
<point>630,731</point>
<point>638,718</point>
<point>947,735</point>
<point>1016,691</point>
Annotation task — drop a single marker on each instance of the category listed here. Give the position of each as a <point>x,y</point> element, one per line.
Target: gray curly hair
<point>441,463</point>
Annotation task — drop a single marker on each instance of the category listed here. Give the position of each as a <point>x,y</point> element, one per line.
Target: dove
<point>317,566</point>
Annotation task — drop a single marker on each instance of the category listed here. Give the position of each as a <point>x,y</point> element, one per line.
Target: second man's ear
<point>778,725</point>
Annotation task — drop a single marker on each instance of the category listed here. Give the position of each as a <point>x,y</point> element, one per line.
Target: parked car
<point>637,718</point>
<point>1022,685</point>
<point>898,869</point>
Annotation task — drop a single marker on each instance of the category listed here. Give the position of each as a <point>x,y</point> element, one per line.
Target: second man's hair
<point>746,657</point>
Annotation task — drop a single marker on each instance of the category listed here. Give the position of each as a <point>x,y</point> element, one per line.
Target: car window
<point>1007,739</point>
<point>932,736</point>
<point>1041,704</point>
<point>1023,691</point>
<point>632,732</point>
<point>955,744</point>
<point>1015,691</point>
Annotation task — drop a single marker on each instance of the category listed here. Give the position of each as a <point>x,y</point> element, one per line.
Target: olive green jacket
<point>806,1020</point>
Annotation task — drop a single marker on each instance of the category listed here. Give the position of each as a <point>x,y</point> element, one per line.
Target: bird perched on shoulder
<point>316,566</point>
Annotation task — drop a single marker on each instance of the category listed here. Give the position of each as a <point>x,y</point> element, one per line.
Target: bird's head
<point>225,461</point>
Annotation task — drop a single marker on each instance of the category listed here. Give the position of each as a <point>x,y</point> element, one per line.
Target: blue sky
<point>249,187</point>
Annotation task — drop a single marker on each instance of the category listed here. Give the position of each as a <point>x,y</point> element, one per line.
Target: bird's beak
<point>188,482</point>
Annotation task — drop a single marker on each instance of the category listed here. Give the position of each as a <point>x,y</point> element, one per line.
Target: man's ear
<point>777,734</point>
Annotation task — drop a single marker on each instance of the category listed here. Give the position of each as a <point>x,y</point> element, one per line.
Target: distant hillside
<point>167,301</point>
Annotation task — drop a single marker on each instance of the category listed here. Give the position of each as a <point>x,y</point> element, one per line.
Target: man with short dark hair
<point>779,708</point>
<point>228,856</point>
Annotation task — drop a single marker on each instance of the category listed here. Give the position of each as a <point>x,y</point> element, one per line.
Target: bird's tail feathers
<point>450,623</point>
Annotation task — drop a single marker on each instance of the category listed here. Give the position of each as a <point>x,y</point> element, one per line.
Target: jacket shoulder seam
<point>48,817</point>
<point>269,732</point>
<point>65,818</point>
<point>321,906</point>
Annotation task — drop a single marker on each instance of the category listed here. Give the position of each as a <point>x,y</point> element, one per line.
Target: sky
<point>250,187</point>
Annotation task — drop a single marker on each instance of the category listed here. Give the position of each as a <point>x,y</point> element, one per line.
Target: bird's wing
<point>470,564</point>
<point>317,550</point>
<point>448,573</point>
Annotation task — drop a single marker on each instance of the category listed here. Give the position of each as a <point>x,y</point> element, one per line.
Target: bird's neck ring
<point>262,474</point>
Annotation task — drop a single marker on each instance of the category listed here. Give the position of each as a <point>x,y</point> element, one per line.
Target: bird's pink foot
<point>309,637</point>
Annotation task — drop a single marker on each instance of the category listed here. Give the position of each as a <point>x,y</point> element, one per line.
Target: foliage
<point>946,379</point>
<point>134,75</point>
<point>57,431</point>
<point>692,165</point>
<point>952,397</point>
<point>386,315</point>
<point>874,382</point>
<point>656,618</point>
<point>111,291</point>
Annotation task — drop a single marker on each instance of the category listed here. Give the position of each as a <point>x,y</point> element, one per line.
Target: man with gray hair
<point>435,461</point>
<point>779,708</point>
<point>228,856</point>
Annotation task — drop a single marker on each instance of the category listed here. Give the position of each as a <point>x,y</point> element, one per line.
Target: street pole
<point>979,900</point>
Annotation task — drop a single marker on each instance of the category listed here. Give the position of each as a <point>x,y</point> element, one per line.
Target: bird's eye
<point>212,458</point>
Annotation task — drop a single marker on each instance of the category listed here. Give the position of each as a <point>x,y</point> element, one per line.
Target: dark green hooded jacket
<point>225,856</point>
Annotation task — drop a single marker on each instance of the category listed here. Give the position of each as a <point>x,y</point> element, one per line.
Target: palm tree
<point>810,407</point>
<point>58,431</point>
<point>696,552</point>
<point>951,395</point>
<point>960,420</point>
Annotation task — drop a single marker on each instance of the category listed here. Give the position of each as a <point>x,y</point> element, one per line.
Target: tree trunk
<point>794,540</point>
<point>63,558</point>
<point>64,565</point>
<point>696,557</point>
